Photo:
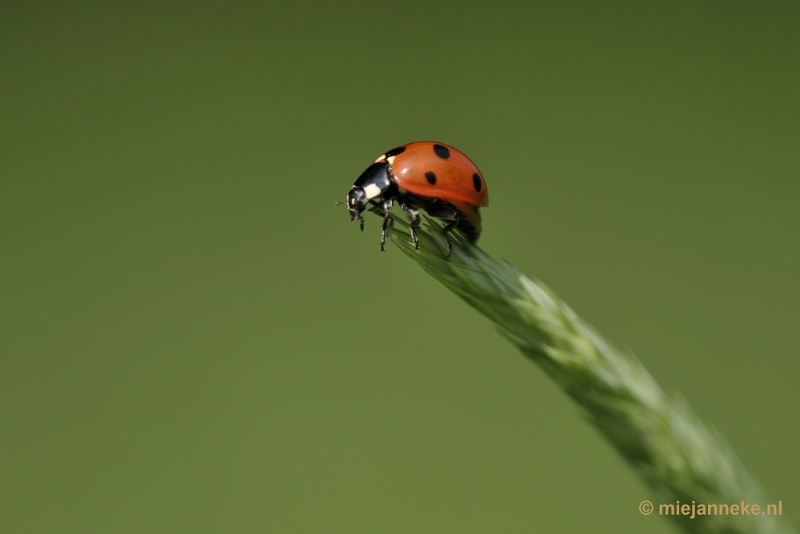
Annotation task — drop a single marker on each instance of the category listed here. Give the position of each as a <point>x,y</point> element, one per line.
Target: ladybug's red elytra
<point>423,175</point>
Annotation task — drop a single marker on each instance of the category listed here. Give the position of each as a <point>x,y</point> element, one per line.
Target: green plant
<point>659,435</point>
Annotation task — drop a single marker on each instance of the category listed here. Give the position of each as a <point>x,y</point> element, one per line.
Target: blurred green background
<point>194,339</point>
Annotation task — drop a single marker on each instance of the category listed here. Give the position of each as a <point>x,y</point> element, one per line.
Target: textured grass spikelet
<point>659,435</point>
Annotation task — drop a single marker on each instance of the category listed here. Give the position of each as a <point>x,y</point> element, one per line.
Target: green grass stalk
<point>658,434</point>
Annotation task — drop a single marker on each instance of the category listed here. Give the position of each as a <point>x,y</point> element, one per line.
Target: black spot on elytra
<point>476,181</point>
<point>431,177</point>
<point>441,151</point>
<point>395,151</point>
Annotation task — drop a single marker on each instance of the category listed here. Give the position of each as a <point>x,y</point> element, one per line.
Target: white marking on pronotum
<point>380,159</point>
<point>372,191</point>
<point>390,160</point>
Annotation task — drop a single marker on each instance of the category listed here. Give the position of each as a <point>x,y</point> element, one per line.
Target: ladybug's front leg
<point>387,218</point>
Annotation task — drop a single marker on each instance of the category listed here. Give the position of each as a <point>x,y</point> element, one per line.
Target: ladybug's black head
<point>356,199</point>
<point>356,202</point>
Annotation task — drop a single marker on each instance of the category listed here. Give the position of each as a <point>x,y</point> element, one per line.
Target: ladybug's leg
<point>449,227</point>
<point>415,222</point>
<point>387,219</point>
<point>447,213</point>
<point>354,215</point>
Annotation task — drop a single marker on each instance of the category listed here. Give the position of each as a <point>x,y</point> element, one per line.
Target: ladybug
<point>423,175</point>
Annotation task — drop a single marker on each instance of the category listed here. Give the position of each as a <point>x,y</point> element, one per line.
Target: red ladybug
<point>424,175</point>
